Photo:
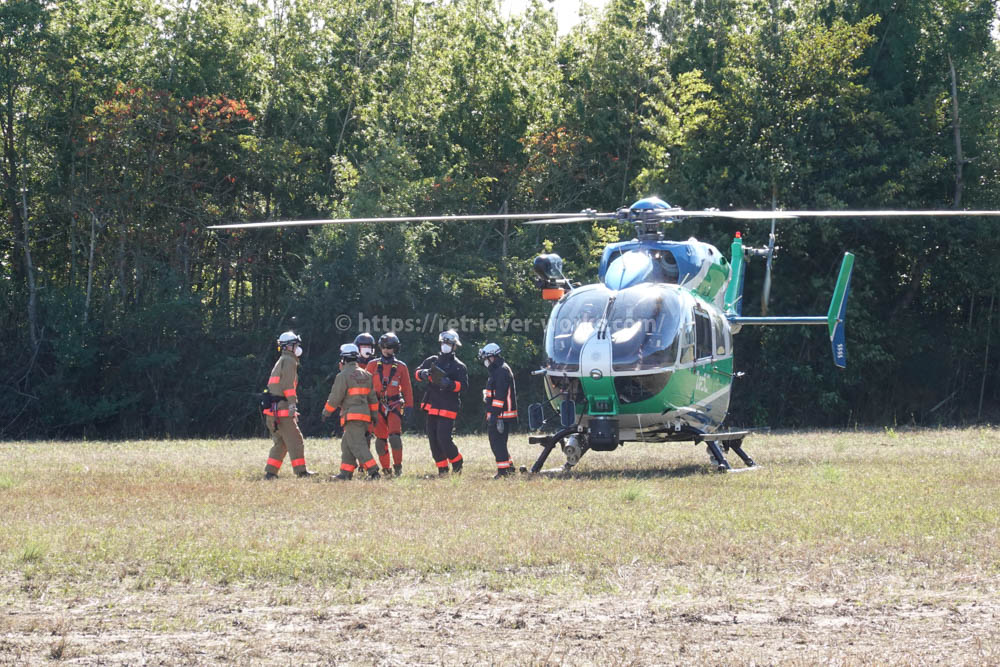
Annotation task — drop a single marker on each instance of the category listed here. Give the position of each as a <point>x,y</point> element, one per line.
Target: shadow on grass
<point>634,473</point>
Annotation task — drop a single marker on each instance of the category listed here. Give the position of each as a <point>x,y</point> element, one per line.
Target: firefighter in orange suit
<point>281,409</point>
<point>444,376</point>
<point>354,395</point>
<point>500,397</point>
<point>395,402</point>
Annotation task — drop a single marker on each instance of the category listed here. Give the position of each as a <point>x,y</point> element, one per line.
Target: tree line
<point>130,126</point>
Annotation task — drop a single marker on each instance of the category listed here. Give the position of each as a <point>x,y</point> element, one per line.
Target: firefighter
<point>500,397</point>
<point>395,400</point>
<point>366,352</point>
<point>280,406</point>
<point>353,394</point>
<point>445,377</point>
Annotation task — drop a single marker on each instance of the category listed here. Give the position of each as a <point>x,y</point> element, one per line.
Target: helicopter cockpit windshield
<point>573,321</point>
<point>645,321</point>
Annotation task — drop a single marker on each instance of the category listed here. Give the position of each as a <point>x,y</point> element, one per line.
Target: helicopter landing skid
<point>727,442</point>
<point>574,448</point>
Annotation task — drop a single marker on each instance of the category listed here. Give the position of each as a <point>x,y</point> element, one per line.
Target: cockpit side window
<point>703,334</point>
<point>722,341</point>
<point>687,340</point>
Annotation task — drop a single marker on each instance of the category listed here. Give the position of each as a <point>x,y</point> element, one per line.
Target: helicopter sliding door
<point>712,369</point>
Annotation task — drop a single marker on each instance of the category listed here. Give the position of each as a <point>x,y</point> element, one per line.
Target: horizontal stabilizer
<point>834,319</point>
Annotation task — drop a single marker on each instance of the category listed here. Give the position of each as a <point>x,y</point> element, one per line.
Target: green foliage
<point>130,125</point>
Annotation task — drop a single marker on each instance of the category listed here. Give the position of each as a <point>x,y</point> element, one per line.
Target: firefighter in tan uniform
<point>281,409</point>
<point>353,393</point>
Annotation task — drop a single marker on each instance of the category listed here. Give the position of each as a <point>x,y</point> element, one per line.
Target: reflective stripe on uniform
<point>298,462</point>
<point>508,415</point>
<point>441,413</point>
<point>457,459</point>
<point>329,408</point>
<point>497,404</point>
<point>356,416</point>
<point>370,464</point>
<point>457,387</point>
<point>279,413</point>
<point>504,464</point>
<point>347,467</point>
<point>274,379</point>
<point>356,391</point>
<point>442,464</point>
<point>274,462</point>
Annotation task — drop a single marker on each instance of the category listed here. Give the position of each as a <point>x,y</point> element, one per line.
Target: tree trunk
<point>956,124</point>
<point>90,268</point>
<point>29,269</point>
<point>986,357</point>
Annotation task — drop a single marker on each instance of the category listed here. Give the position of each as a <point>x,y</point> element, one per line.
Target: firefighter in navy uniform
<point>354,395</point>
<point>500,397</point>
<point>445,377</point>
<point>280,407</point>
<point>395,398</point>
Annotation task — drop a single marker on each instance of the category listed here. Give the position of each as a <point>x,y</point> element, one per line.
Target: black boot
<point>397,469</point>
<point>342,476</point>
<point>442,471</point>
<point>270,475</point>
<point>305,473</point>
<point>456,467</point>
<point>502,473</point>
<point>373,476</point>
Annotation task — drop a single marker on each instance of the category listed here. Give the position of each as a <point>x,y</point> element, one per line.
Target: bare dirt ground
<point>650,619</point>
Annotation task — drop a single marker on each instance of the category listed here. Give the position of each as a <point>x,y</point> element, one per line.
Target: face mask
<point>298,350</point>
<point>445,349</point>
<point>366,351</point>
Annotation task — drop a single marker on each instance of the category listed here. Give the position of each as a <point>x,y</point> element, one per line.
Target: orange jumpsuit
<point>394,392</point>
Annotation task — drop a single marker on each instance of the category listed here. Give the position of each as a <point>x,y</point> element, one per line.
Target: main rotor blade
<point>415,218</point>
<point>565,218</point>
<point>767,215</point>
<point>577,218</point>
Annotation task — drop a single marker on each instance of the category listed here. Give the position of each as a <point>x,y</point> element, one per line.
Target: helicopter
<point>646,354</point>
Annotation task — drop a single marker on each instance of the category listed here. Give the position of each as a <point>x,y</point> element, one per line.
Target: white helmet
<point>489,350</point>
<point>288,339</point>
<point>349,352</point>
<point>450,337</point>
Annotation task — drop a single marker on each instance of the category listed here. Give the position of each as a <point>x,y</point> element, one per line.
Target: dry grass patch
<point>839,538</point>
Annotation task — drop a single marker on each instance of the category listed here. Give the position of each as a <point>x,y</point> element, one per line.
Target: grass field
<point>845,548</point>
